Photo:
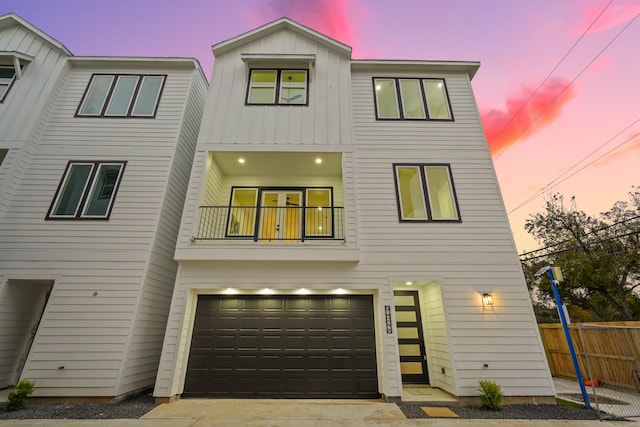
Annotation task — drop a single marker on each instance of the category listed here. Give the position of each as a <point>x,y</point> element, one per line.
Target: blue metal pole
<point>563,320</point>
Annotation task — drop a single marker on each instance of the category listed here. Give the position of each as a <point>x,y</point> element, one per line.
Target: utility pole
<point>554,285</point>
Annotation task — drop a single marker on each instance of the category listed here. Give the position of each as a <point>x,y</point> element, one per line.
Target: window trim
<point>9,85</point>
<point>426,197</point>
<point>87,191</point>
<point>277,88</point>
<point>399,99</point>
<point>133,101</point>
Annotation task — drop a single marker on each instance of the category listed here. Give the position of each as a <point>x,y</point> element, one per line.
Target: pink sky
<point>536,132</point>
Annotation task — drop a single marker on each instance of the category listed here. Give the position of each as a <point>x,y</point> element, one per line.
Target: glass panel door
<point>319,213</point>
<point>413,358</point>
<point>281,213</point>
<point>242,214</point>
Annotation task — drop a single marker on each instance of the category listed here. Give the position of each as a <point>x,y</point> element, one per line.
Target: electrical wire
<point>555,180</point>
<point>547,78</point>
<point>586,234</point>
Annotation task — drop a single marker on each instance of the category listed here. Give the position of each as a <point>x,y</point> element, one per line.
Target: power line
<point>555,180</point>
<point>591,232</point>
<point>573,81</point>
<point>547,78</point>
<point>582,246</point>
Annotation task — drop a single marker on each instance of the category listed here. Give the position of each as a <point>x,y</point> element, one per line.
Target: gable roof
<point>278,25</point>
<point>11,19</point>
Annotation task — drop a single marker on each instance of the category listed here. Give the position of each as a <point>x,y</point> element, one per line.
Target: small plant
<point>17,399</point>
<point>491,395</point>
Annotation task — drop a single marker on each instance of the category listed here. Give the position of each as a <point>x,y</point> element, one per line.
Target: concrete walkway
<point>296,413</point>
<point>289,413</point>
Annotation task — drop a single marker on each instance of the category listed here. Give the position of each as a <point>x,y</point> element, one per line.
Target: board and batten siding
<point>476,255</point>
<point>104,271</point>
<point>21,108</point>
<point>326,120</point>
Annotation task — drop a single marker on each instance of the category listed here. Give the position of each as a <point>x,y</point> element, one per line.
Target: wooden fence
<point>613,353</point>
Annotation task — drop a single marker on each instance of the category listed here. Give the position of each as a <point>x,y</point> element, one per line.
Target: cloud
<point>330,17</point>
<point>614,16</point>
<point>526,113</point>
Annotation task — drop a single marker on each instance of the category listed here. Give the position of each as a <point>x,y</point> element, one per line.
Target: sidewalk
<point>298,413</point>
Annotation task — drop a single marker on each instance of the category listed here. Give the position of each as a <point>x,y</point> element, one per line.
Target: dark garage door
<point>283,347</point>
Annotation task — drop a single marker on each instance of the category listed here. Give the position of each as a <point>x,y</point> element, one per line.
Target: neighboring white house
<point>95,157</point>
<point>342,223</point>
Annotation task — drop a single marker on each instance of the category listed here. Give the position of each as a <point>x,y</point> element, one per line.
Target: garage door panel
<point>283,347</point>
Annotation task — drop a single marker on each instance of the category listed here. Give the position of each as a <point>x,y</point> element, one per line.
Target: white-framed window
<point>411,99</point>
<point>278,87</point>
<point>87,190</point>
<point>425,192</point>
<point>121,95</point>
<point>7,77</point>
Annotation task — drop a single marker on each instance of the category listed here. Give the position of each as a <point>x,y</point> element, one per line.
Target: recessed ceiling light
<point>409,283</point>
<point>267,291</point>
<point>303,291</point>
<point>230,291</point>
<point>340,291</point>
<point>318,160</point>
<point>241,160</point>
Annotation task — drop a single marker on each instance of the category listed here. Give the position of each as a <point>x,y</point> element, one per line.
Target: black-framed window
<point>425,192</point>
<point>7,77</point>
<point>87,190</point>
<point>121,95</point>
<point>278,87</point>
<point>411,99</point>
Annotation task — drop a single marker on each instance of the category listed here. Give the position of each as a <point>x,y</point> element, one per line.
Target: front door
<point>413,358</point>
<point>281,215</point>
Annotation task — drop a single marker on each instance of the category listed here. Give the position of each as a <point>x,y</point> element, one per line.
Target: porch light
<point>318,160</point>
<point>408,283</point>
<point>487,299</point>
<point>241,160</point>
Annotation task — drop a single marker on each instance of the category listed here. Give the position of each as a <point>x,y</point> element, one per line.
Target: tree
<point>599,258</point>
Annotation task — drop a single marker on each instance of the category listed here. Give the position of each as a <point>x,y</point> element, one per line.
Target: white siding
<point>145,345</point>
<point>105,318</point>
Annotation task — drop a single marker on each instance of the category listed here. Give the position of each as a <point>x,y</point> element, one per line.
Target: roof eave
<point>468,67</point>
<point>272,27</point>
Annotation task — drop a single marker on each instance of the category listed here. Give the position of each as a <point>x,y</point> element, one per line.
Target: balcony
<point>289,224</point>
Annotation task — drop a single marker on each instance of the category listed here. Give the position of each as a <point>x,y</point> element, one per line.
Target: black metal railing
<point>270,223</point>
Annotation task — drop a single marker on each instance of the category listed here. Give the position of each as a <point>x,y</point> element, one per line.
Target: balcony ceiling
<point>278,163</point>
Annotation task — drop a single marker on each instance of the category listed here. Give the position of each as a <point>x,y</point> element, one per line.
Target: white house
<point>342,224</point>
<point>95,157</point>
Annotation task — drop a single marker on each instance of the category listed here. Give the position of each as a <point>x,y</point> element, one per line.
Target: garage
<point>285,346</point>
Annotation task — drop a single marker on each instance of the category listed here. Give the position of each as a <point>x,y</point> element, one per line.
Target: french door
<point>280,215</point>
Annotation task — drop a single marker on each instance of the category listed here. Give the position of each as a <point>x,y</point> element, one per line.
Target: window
<point>7,77</point>
<point>112,95</point>
<point>411,99</point>
<point>281,87</point>
<point>425,192</point>
<point>87,190</point>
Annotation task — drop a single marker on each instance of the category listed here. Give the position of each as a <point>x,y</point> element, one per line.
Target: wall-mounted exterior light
<point>487,299</point>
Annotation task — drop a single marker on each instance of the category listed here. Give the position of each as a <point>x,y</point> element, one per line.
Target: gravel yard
<point>130,408</point>
<point>526,412</point>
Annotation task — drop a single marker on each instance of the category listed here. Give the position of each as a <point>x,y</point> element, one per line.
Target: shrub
<point>17,399</point>
<point>490,395</point>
